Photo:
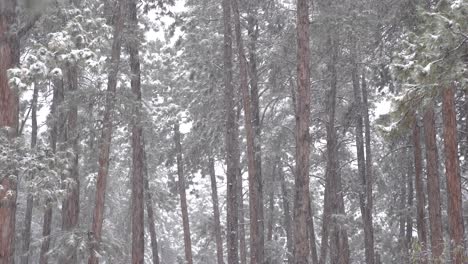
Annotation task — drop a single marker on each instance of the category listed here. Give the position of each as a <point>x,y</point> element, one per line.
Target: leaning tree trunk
<point>217,222</point>
<point>452,172</point>
<point>133,45</point>
<point>302,195</point>
<point>9,52</point>
<point>419,186</point>
<point>106,136</point>
<point>231,140</point>
<point>29,201</point>
<point>433,185</point>
<point>255,206</point>
<point>183,196</point>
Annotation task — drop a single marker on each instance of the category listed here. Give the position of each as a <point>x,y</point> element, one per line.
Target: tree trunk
<point>409,218</point>
<point>452,172</point>
<point>240,204</point>
<point>46,230</point>
<point>363,197</point>
<point>403,215</point>
<point>433,186</point>
<point>183,196</point>
<point>255,105</point>
<point>324,245</point>
<point>231,140</point>
<point>419,186</point>
<point>287,215</point>
<point>149,210</point>
<point>302,195</point>
<point>138,245</point>
<point>217,222</point>
<point>29,201</point>
<point>106,136</point>
<point>339,248</point>
<point>369,171</point>
<point>71,202</point>
<point>9,54</point>
<point>311,234</point>
<point>271,205</point>
<point>255,205</point>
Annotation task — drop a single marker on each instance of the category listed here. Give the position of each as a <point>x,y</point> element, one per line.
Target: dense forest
<point>233,131</point>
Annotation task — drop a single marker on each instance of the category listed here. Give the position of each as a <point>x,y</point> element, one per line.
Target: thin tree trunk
<point>311,234</point>
<point>183,196</point>
<point>9,54</point>
<point>409,217</point>
<point>363,203</point>
<point>240,204</point>
<point>302,195</point>
<point>339,247</point>
<point>149,211</point>
<point>324,245</point>
<point>57,136</point>
<point>46,230</point>
<point>403,216</point>
<point>452,172</point>
<point>71,183</point>
<point>287,215</point>
<point>30,199</point>
<point>106,136</point>
<point>271,205</point>
<point>369,171</point>
<point>138,245</point>
<point>217,222</point>
<point>256,207</point>
<point>231,140</point>
<point>433,185</point>
<point>419,186</point>
<point>255,104</point>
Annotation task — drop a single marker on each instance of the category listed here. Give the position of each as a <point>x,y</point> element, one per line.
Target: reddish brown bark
<point>106,136</point>
<point>419,186</point>
<point>255,206</point>
<point>301,196</point>
<point>217,221</point>
<point>433,185</point>
<point>452,173</point>
<point>8,118</point>
<point>133,45</point>
<point>183,196</point>
<point>231,140</point>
